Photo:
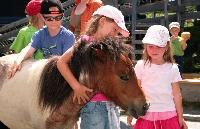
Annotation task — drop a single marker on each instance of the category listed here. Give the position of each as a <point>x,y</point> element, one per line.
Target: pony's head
<point>106,66</point>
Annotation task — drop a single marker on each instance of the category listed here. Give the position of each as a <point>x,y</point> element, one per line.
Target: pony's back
<point>18,95</point>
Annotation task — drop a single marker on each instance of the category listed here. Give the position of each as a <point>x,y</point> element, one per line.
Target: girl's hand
<point>129,120</point>
<point>174,37</point>
<point>13,69</point>
<point>182,123</point>
<point>185,39</point>
<point>80,94</point>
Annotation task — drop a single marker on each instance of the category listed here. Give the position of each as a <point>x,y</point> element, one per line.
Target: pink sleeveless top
<point>99,96</point>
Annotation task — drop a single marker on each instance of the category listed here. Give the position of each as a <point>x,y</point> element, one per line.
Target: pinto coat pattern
<point>38,97</point>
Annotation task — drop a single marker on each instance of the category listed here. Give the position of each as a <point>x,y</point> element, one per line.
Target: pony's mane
<point>54,90</point>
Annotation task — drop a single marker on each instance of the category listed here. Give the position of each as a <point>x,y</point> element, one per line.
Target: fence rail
<point>14,25</point>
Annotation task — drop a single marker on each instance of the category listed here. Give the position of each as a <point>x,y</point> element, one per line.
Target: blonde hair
<point>93,24</point>
<point>34,20</point>
<point>167,54</point>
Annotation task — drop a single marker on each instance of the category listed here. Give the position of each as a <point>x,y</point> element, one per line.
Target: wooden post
<point>133,22</point>
<point>179,11</point>
<point>115,3</point>
<point>166,13</point>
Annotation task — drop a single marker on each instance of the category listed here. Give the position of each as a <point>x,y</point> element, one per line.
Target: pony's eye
<point>124,77</point>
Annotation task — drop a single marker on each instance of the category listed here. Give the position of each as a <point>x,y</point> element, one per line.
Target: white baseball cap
<point>157,35</point>
<point>174,24</point>
<point>115,14</point>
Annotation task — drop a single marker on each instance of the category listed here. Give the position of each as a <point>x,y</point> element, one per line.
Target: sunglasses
<point>51,18</point>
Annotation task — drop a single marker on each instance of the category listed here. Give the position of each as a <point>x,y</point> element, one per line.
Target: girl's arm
<point>26,53</point>
<point>184,44</point>
<point>63,67</point>
<point>129,120</point>
<point>178,104</point>
<point>139,82</point>
<point>23,55</point>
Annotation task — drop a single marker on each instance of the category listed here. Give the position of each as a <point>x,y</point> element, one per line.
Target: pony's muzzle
<point>145,108</point>
<point>136,112</point>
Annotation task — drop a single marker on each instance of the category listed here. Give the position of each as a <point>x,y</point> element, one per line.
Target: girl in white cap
<point>107,21</point>
<point>158,75</point>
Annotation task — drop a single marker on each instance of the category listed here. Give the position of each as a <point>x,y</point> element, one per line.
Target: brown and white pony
<point>38,97</point>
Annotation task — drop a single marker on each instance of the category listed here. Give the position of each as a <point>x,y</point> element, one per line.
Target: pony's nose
<point>146,107</point>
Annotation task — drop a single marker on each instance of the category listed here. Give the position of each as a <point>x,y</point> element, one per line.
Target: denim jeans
<point>180,61</point>
<point>99,115</point>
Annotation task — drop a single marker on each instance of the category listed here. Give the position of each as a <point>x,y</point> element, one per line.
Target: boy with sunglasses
<point>53,39</point>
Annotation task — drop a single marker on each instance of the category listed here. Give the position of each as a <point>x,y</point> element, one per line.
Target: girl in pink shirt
<point>158,76</point>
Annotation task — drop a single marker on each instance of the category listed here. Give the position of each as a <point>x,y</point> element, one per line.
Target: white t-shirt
<point>156,82</point>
